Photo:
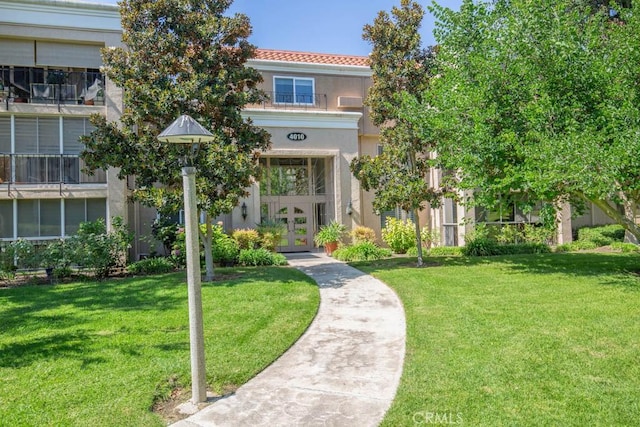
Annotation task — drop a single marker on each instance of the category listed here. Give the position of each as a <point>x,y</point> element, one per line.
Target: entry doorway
<point>293,192</point>
<point>297,218</point>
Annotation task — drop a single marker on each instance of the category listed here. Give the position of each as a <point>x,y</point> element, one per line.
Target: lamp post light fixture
<point>185,130</point>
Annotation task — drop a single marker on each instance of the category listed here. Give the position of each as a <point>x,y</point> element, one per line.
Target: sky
<point>321,26</point>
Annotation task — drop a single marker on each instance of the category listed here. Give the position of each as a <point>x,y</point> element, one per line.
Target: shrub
<point>480,246</point>
<point>446,251</point>
<point>62,272</point>
<point>601,235</point>
<point>247,238</point>
<point>430,238</point>
<point>92,247</point>
<point>484,246</point>
<point>363,251</point>
<point>165,230</point>
<point>57,254</point>
<point>261,256</point>
<point>399,235</point>
<point>565,247</point>
<point>179,249</point>
<point>413,251</point>
<point>362,234</point>
<point>538,234</point>
<point>510,233</point>
<point>624,247</point>
<point>523,248</point>
<point>437,251</point>
<point>225,251</point>
<point>271,233</point>
<point>7,258</point>
<point>151,266</point>
<point>576,246</point>
<point>25,254</point>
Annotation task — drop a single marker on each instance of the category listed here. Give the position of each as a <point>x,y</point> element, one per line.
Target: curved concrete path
<point>343,371</point>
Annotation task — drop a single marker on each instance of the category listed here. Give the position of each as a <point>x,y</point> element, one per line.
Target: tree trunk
<point>628,223</point>
<point>630,214</point>
<point>207,241</point>
<point>418,237</point>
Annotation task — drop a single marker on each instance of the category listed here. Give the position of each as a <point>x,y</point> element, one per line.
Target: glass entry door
<point>297,217</point>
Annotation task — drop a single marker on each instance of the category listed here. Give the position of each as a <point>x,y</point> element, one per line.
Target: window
<point>396,213</point>
<point>450,224</point>
<point>6,219</point>
<point>293,176</point>
<point>508,212</point>
<point>39,218</point>
<point>73,129</point>
<point>81,210</point>
<point>294,90</point>
<point>39,155</point>
<point>5,135</point>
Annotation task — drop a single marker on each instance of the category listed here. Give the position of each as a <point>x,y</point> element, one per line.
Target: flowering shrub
<point>399,235</point>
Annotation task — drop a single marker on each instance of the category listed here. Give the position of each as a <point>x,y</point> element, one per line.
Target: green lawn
<point>548,340</point>
<point>97,354</point>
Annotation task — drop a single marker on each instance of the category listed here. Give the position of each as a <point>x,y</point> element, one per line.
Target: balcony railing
<point>20,169</point>
<point>289,101</point>
<point>45,86</point>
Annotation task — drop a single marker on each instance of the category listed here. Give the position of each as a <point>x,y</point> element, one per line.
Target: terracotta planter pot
<point>88,102</point>
<point>330,247</point>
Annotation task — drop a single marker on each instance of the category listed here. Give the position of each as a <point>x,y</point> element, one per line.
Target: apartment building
<point>50,83</point>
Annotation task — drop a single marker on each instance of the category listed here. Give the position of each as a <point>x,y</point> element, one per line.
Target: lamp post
<point>185,130</point>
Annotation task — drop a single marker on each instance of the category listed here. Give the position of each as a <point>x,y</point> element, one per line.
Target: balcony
<point>46,86</point>
<point>289,101</point>
<point>29,169</point>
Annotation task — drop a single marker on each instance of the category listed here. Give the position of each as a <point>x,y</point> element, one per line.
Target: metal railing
<point>289,101</point>
<point>21,169</point>
<point>47,86</point>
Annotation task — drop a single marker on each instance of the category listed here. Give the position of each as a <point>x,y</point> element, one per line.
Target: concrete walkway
<point>343,371</point>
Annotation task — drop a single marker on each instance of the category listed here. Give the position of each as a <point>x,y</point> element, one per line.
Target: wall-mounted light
<point>243,210</point>
<point>349,208</point>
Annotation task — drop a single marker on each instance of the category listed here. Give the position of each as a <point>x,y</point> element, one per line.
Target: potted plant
<point>329,235</point>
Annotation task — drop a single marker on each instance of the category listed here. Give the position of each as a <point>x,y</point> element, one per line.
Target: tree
<point>399,175</point>
<point>538,99</point>
<point>182,57</point>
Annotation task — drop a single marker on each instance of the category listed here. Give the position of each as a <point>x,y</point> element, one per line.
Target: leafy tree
<point>540,99</point>
<point>182,57</point>
<point>399,176</point>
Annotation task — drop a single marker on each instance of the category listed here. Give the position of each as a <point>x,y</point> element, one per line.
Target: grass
<point>102,353</point>
<point>536,340</point>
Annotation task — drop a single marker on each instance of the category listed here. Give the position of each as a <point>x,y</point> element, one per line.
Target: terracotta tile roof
<point>313,58</point>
